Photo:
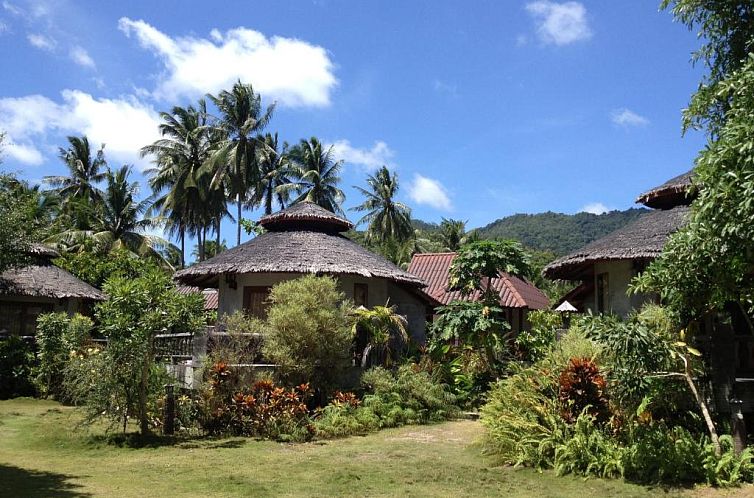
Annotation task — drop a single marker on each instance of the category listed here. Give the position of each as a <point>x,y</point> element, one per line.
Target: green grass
<point>42,454</point>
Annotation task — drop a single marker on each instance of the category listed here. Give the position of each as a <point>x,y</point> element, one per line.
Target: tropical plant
<point>84,171</point>
<point>211,249</point>
<point>117,222</point>
<point>379,333</point>
<point>17,363</point>
<point>476,264</point>
<point>309,333</point>
<point>127,379</point>
<point>452,234</point>
<point>58,335</point>
<point>233,161</point>
<point>273,163</point>
<point>315,175</point>
<point>185,198</point>
<point>387,219</point>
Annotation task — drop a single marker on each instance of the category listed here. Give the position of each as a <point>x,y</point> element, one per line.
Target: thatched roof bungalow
<point>517,296</point>
<point>37,288</point>
<point>307,239</point>
<point>606,266</point>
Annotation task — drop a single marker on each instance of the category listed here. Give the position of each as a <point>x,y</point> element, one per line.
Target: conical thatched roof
<point>44,279</point>
<point>305,215</point>
<point>301,239</point>
<point>674,192</point>
<point>642,239</point>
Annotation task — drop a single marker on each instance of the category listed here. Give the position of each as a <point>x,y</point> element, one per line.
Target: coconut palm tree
<point>315,175</point>
<point>452,234</point>
<point>117,222</point>
<point>233,162</point>
<point>84,171</point>
<point>273,166</point>
<point>387,218</point>
<point>379,332</point>
<point>177,180</point>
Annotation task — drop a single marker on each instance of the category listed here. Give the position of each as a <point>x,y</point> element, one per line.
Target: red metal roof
<point>514,292</point>
<point>210,295</point>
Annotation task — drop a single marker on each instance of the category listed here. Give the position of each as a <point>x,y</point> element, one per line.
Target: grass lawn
<point>41,454</point>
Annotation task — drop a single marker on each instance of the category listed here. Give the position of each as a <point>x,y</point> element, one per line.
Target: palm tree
<point>315,175</point>
<point>177,180</point>
<point>273,166</point>
<point>118,222</point>
<point>84,171</point>
<point>379,332</point>
<point>233,162</point>
<point>387,218</point>
<point>452,234</point>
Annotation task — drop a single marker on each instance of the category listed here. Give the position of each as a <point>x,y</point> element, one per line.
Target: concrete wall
<point>620,273</point>
<point>231,300</point>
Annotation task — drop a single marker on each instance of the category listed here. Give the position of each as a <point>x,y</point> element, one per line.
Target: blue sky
<point>484,108</point>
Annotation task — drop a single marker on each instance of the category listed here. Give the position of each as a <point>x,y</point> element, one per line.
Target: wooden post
<point>168,426</point>
<point>738,425</point>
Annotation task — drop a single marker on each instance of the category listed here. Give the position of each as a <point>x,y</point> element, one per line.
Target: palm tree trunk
<point>200,244</point>
<point>238,220</point>
<point>183,247</point>
<point>217,235</point>
<point>204,241</point>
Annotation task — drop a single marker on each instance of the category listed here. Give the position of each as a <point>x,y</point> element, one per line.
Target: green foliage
<point>534,343</point>
<point>728,38</point>
<point>16,368</point>
<point>480,261</point>
<point>386,218</point>
<point>18,227</point>
<point>379,334</point>
<point>96,268</point>
<point>636,348</point>
<point>406,396</point>
<point>473,323</point>
<point>708,263</point>
<point>309,334</point>
<point>58,335</point>
<point>557,232</point>
<point>261,410</point>
<point>128,380</point>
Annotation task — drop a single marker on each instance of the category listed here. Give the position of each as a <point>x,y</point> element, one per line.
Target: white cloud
<point>560,23</point>
<point>25,154</point>
<point>427,191</point>
<point>595,208</point>
<point>626,117</point>
<point>80,56</point>
<point>292,71</point>
<point>124,125</point>
<point>370,159</point>
<point>4,28</point>
<point>13,9</point>
<point>41,41</point>
<point>445,88</point>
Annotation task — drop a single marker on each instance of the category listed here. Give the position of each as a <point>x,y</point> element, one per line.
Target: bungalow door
<point>255,301</point>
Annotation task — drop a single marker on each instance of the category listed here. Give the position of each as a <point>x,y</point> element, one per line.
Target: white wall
<point>620,274</point>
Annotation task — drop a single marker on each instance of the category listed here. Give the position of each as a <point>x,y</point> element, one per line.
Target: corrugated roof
<point>210,295</point>
<point>514,292</point>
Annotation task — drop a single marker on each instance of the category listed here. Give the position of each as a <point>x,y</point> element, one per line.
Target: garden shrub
<point>582,390</point>
<point>405,396</point>
<point>309,333</point>
<point>533,344</point>
<point>17,363</point>
<point>58,335</point>
<point>262,410</point>
<point>241,344</point>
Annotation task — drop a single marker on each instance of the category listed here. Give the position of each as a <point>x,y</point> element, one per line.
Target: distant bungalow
<point>606,266</point>
<point>307,239</point>
<point>40,287</point>
<point>517,296</point>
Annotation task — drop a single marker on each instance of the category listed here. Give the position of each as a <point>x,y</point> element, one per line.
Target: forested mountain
<point>558,232</point>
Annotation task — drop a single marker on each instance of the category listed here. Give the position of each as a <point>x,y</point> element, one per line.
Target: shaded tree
<point>315,175</point>
<point>387,219</point>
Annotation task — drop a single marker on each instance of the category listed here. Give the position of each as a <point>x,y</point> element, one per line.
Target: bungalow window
<point>255,301</point>
<point>19,318</point>
<point>603,293</point>
<point>361,295</point>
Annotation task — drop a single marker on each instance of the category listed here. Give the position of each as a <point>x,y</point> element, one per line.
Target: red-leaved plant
<point>582,389</point>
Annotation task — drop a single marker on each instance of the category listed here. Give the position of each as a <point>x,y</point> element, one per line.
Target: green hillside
<point>557,232</point>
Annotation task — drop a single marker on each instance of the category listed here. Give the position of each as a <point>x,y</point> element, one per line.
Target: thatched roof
<point>305,216</point>
<point>45,280</point>
<point>42,250</point>
<point>674,192</point>
<point>643,239</point>
<point>301,239</point>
